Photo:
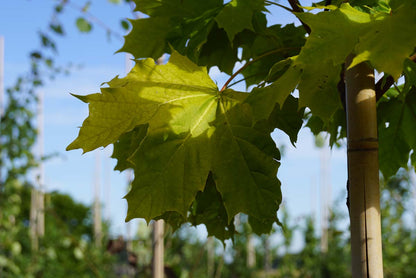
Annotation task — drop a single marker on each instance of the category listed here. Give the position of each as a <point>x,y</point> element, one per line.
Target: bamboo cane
<point>363,172</point>
<point>158,249</point>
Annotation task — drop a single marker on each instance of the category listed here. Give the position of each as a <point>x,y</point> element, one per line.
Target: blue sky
<point>72,172</point>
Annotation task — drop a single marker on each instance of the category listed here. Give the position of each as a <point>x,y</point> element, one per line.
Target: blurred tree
<point>398,225</point>
<point>337,260</point>
<point>66,248</point>
<point>310,256</point>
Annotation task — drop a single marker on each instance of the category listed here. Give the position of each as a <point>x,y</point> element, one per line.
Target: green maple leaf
<point>334,34</point>
<point>397,125</point>
<point>341,32</point>
<point>393,149</point>
<point>237,15</point>
<point>170,168</point>
<point>279,42</point>
<point>263,100</point>
<point>148,37</point>
<point>289,118</point>
<point>217,51</point>
<point>396,113</point>
<point>244,163</point>
<point>177,83</point>
<point>176,8</point>
<point>126,145</point>
<point>173,127</point>
<point>183,24</point>
<point>333,37</point>
<point>379,44</point>
<point>319,91</point>
<point>209,209</point>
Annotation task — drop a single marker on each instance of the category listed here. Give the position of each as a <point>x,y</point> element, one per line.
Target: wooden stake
<point>97,204</point>
<point>363,172</point>
<point>1,75</point>
<point>33,219</point>
<point>210,256</point>
<point>41,171</point>
<point>251,252</point>
<point>158,249</point>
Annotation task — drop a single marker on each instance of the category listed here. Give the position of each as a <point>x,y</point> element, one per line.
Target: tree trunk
<point>363,172</point>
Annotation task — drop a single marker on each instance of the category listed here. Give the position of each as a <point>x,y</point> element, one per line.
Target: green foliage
<point>173,126</point>
<point>193,130</point>
<point>397,124</point>
<point>67,248</point>
<point>83,25</point>
<point>398,226</point>
<point>237,15</point>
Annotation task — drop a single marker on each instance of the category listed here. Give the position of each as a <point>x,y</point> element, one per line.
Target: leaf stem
<point>241,80</point>
<point>253,61</point>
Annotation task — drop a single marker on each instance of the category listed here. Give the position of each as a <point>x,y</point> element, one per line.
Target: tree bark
<point>363,172</point>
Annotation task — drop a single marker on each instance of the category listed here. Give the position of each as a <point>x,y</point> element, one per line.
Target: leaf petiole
<point>251,62</point>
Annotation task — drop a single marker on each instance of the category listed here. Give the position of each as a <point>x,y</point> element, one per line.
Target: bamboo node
<point>366,144</point>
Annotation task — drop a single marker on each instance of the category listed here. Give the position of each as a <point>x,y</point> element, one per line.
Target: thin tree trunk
<point>158,249</point>
<point>363,172</point>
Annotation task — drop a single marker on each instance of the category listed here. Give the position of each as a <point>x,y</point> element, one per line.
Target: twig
<point>279,5</point>
<point>297,9</point>
<point>95,19</point>
<point>386,82</point>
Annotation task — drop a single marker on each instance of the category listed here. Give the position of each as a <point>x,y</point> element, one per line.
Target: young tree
<point>203,154</point>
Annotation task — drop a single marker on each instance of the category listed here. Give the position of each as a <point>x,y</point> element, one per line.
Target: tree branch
<point>95,19</point>
<point>278,5</point>
<point>386,82</point>
<point>297,9</point>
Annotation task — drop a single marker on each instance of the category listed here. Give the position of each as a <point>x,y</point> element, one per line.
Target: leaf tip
<point>72,146</point>
<point>81,98</point>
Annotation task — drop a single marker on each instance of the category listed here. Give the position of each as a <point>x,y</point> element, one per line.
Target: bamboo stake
<point>1,91</point>
<point>158,249</point>
<point>210,257</point>
<point>363,172</point>
<point>96,204</point>
<point>158,237</point>
<point>41,171</point>
<point>33,219</point>
<point>325,199</point>
<point>251,252</point>
<point>1,75</point>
